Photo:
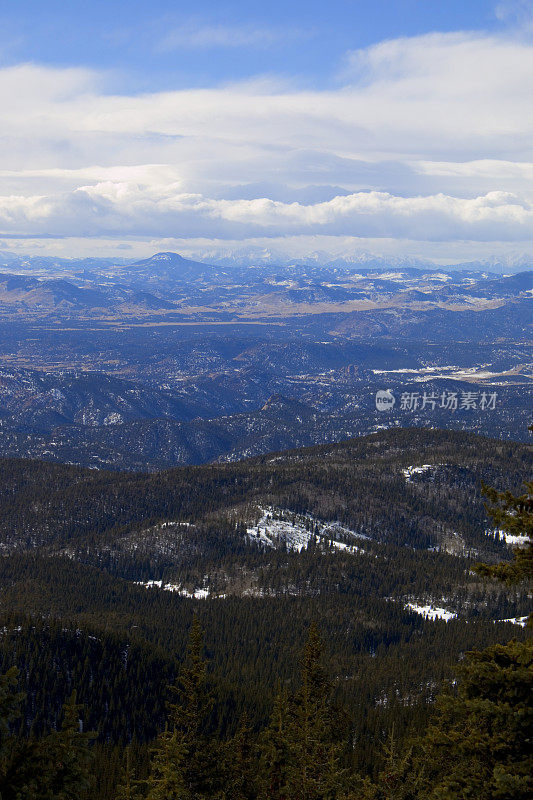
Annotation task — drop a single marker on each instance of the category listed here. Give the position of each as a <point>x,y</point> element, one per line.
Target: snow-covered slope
<point>279,528</point>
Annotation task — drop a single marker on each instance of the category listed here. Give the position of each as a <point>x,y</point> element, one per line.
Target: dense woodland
<point>304,674</point>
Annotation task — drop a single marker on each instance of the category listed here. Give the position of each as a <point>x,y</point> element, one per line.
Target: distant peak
<point>169,266</point>
<point>165,256</point>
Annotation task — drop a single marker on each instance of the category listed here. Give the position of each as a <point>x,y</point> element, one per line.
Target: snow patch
<point>522,621</point>
<point>197,594</point>
<point>278,528</point>
<point>515,540</point>
<point>408,472</point>
<point>431,612</point>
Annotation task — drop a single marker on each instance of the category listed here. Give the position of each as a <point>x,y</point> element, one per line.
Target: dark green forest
<point>298,673</point>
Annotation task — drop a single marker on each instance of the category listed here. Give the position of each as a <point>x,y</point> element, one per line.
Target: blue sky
<point>391,126</point>
<point>145,43</point>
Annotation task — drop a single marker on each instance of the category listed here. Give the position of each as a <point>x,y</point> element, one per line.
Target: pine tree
<point>168,775</point>
<point>303,746</point>
<point>19,759</point>
<point>67,758</point>
<point>479,744</point>
<point>316,736</point>
<point>276,752</point>
<point>192,699</point>
<point>128,788</point>
<point>10,701</point>
<point>186,758</point>
<point>513,514</point>
<point>240,782</point>
<point>399,779</point>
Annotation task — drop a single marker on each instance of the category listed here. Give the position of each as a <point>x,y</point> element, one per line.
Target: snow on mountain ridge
<point>275,529</point>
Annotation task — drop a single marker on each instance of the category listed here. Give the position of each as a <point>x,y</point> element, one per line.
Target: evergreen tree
<point>186,758</point>
<point>67,758</point>
<point>128,788</point>
<point>276,751</point>
<point>241,771</point>
<point>316,737</point>
<point>399,779</point>
<point>19,763</point>
<point>479,744</point>
<point>10,701</point>
<point>168,776</point>
<point>54,767</point>
<point>304,744</point>
<point>513,514</point>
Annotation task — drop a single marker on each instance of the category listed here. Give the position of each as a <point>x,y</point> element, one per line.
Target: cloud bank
<point>116,208</point>
<point>424,139</point>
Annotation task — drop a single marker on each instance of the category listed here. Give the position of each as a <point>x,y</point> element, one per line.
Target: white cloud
<point>115,207</point>
<point>428,138</point>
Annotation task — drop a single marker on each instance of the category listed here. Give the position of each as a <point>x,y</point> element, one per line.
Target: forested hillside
<point>373,540</point>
